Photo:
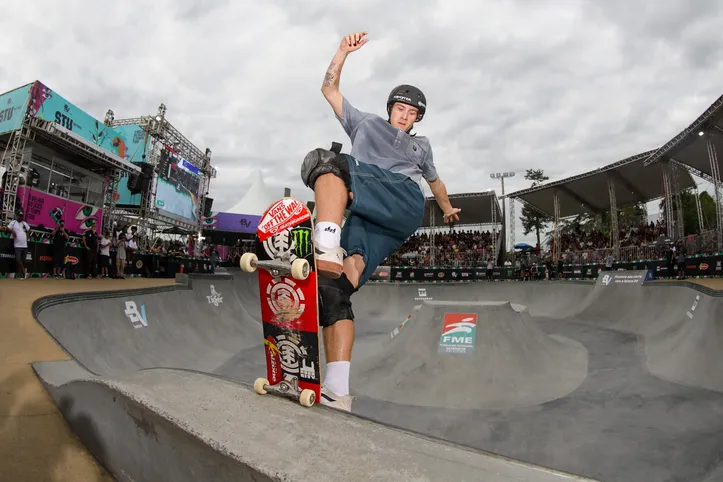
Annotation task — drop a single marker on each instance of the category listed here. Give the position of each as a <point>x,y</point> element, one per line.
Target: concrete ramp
<point>177,425</point>
<point>472,355</point>
<point>198,326</point>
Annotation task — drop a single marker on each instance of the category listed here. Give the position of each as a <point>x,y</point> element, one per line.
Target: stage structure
<point>695,149</point>
<point>172,192</point>
<point>608,189</point>
<point>479,208</point>
<point>59,161</point>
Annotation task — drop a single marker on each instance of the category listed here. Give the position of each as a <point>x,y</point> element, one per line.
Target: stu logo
<point>64,120</point>
<point>138,319</point>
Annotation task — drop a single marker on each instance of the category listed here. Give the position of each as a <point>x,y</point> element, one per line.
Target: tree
<point>690,211</point>
<point>532,219</point>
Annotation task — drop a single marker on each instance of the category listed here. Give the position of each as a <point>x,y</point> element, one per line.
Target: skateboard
<point>284,258</point>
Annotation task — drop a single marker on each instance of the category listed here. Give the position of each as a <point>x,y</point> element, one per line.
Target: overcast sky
<point>564,86</point>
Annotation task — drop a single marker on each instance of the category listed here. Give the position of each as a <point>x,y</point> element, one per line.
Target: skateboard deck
<point>284,258</point>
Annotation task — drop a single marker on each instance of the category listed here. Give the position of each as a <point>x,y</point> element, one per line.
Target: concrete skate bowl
<point>200,325</point>
<point>499,358</point>
<point>647,407</point>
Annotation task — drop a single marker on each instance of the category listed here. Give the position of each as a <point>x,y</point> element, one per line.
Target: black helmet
<point>410,95</point>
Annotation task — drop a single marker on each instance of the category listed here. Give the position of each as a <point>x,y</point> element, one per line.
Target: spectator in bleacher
<point>19,229</point>
<point>60,237</point>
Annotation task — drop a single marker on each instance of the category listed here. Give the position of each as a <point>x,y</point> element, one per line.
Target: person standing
<point>19,229</point>
<point>104,258</point>
<point>90,242</point>
<point>60,237</point>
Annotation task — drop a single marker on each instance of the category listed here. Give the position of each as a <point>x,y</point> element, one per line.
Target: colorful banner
<point>237,223</point>
<point>136,141</point>
<point>44,210</point>
<point>49,105</point>
<point>13,106</point>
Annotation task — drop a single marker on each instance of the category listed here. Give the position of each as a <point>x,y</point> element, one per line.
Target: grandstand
<point>661,174</point>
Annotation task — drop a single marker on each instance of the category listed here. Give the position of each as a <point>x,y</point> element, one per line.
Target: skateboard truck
<point>298,269</point>
<point>286,388</point>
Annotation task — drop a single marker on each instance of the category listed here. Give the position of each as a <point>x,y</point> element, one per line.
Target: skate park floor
<point>613,407</point>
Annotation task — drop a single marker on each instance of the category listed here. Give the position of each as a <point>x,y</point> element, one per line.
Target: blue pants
<point>387,208</point>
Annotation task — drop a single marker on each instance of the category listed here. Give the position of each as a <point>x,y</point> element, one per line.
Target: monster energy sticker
<point>301,238</point>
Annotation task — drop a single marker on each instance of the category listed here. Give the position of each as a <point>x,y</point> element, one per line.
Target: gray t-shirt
<point>375,141</point>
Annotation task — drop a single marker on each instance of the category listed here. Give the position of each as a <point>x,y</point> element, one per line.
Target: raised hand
<point>353,42</point>
<point>451,215</point>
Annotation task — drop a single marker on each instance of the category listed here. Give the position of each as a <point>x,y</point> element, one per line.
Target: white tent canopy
<point>256,199</point>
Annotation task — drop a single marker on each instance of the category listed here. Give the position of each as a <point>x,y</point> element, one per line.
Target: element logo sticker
<point>285,299</point>
<point>458,334</point>
<point>138,319</point>
<point>215,298</point>
<point>293,357</point>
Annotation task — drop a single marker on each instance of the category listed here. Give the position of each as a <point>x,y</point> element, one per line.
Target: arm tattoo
<point>332,75</point>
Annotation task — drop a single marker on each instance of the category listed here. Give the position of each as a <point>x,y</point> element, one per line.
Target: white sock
<point>327,234</point>
<point>336,377</point>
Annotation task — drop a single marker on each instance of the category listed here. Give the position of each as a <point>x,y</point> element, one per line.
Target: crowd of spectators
<point>453,248</point>
<point>638,235</point>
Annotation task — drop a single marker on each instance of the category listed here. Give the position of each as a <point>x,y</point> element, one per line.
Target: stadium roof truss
<point>696,148</point>
<point>477,208</point>
<point>620,184</point>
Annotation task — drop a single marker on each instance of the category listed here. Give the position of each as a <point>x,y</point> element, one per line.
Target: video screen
<point>178,184</point>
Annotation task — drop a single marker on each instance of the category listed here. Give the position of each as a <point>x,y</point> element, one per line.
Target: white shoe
<point>329,261</point>
<point>335,401</point>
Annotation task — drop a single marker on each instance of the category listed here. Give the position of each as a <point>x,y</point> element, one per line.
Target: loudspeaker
<point>207,204</point>
<point>140,183</point>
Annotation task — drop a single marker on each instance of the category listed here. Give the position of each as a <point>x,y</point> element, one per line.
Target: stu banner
<point>699,266</point>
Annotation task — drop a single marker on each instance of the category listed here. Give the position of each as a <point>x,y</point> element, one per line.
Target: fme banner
<point>13,106</point>
<point>49,105</point>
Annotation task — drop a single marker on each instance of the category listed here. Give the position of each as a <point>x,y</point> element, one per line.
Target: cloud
<point>511,85</point>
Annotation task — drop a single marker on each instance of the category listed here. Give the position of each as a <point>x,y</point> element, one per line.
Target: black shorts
<point>59,259</point>
<point>103,260</point>
<point>21,254</point>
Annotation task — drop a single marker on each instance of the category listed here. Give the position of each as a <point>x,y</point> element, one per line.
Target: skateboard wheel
<point>307,398</point>
<point>248,262</point>
<point>259,386</point>
<point>300,269</point>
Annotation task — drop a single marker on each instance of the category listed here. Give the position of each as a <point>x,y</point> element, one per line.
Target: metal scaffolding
<point>163,134</point>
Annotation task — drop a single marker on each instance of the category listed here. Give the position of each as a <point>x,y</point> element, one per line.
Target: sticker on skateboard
<point>284,258</point>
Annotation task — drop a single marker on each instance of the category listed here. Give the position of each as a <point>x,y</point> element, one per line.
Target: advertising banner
<point>136,141</point>
<point>49,105</point>
<point>13,106</point>
<point>237,223</point>
<point>458,334</point>
<point>44,210</point>
<point>178,184</point>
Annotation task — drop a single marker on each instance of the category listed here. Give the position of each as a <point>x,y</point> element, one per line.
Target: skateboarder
<point>380,184</point>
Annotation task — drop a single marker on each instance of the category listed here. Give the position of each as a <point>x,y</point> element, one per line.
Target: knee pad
<point>323,161</point>
<point>334,300</point>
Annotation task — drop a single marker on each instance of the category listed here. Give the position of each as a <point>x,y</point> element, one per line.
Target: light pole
<point>501,176</point>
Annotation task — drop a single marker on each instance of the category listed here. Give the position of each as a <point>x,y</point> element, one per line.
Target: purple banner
<point>236,223</point>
